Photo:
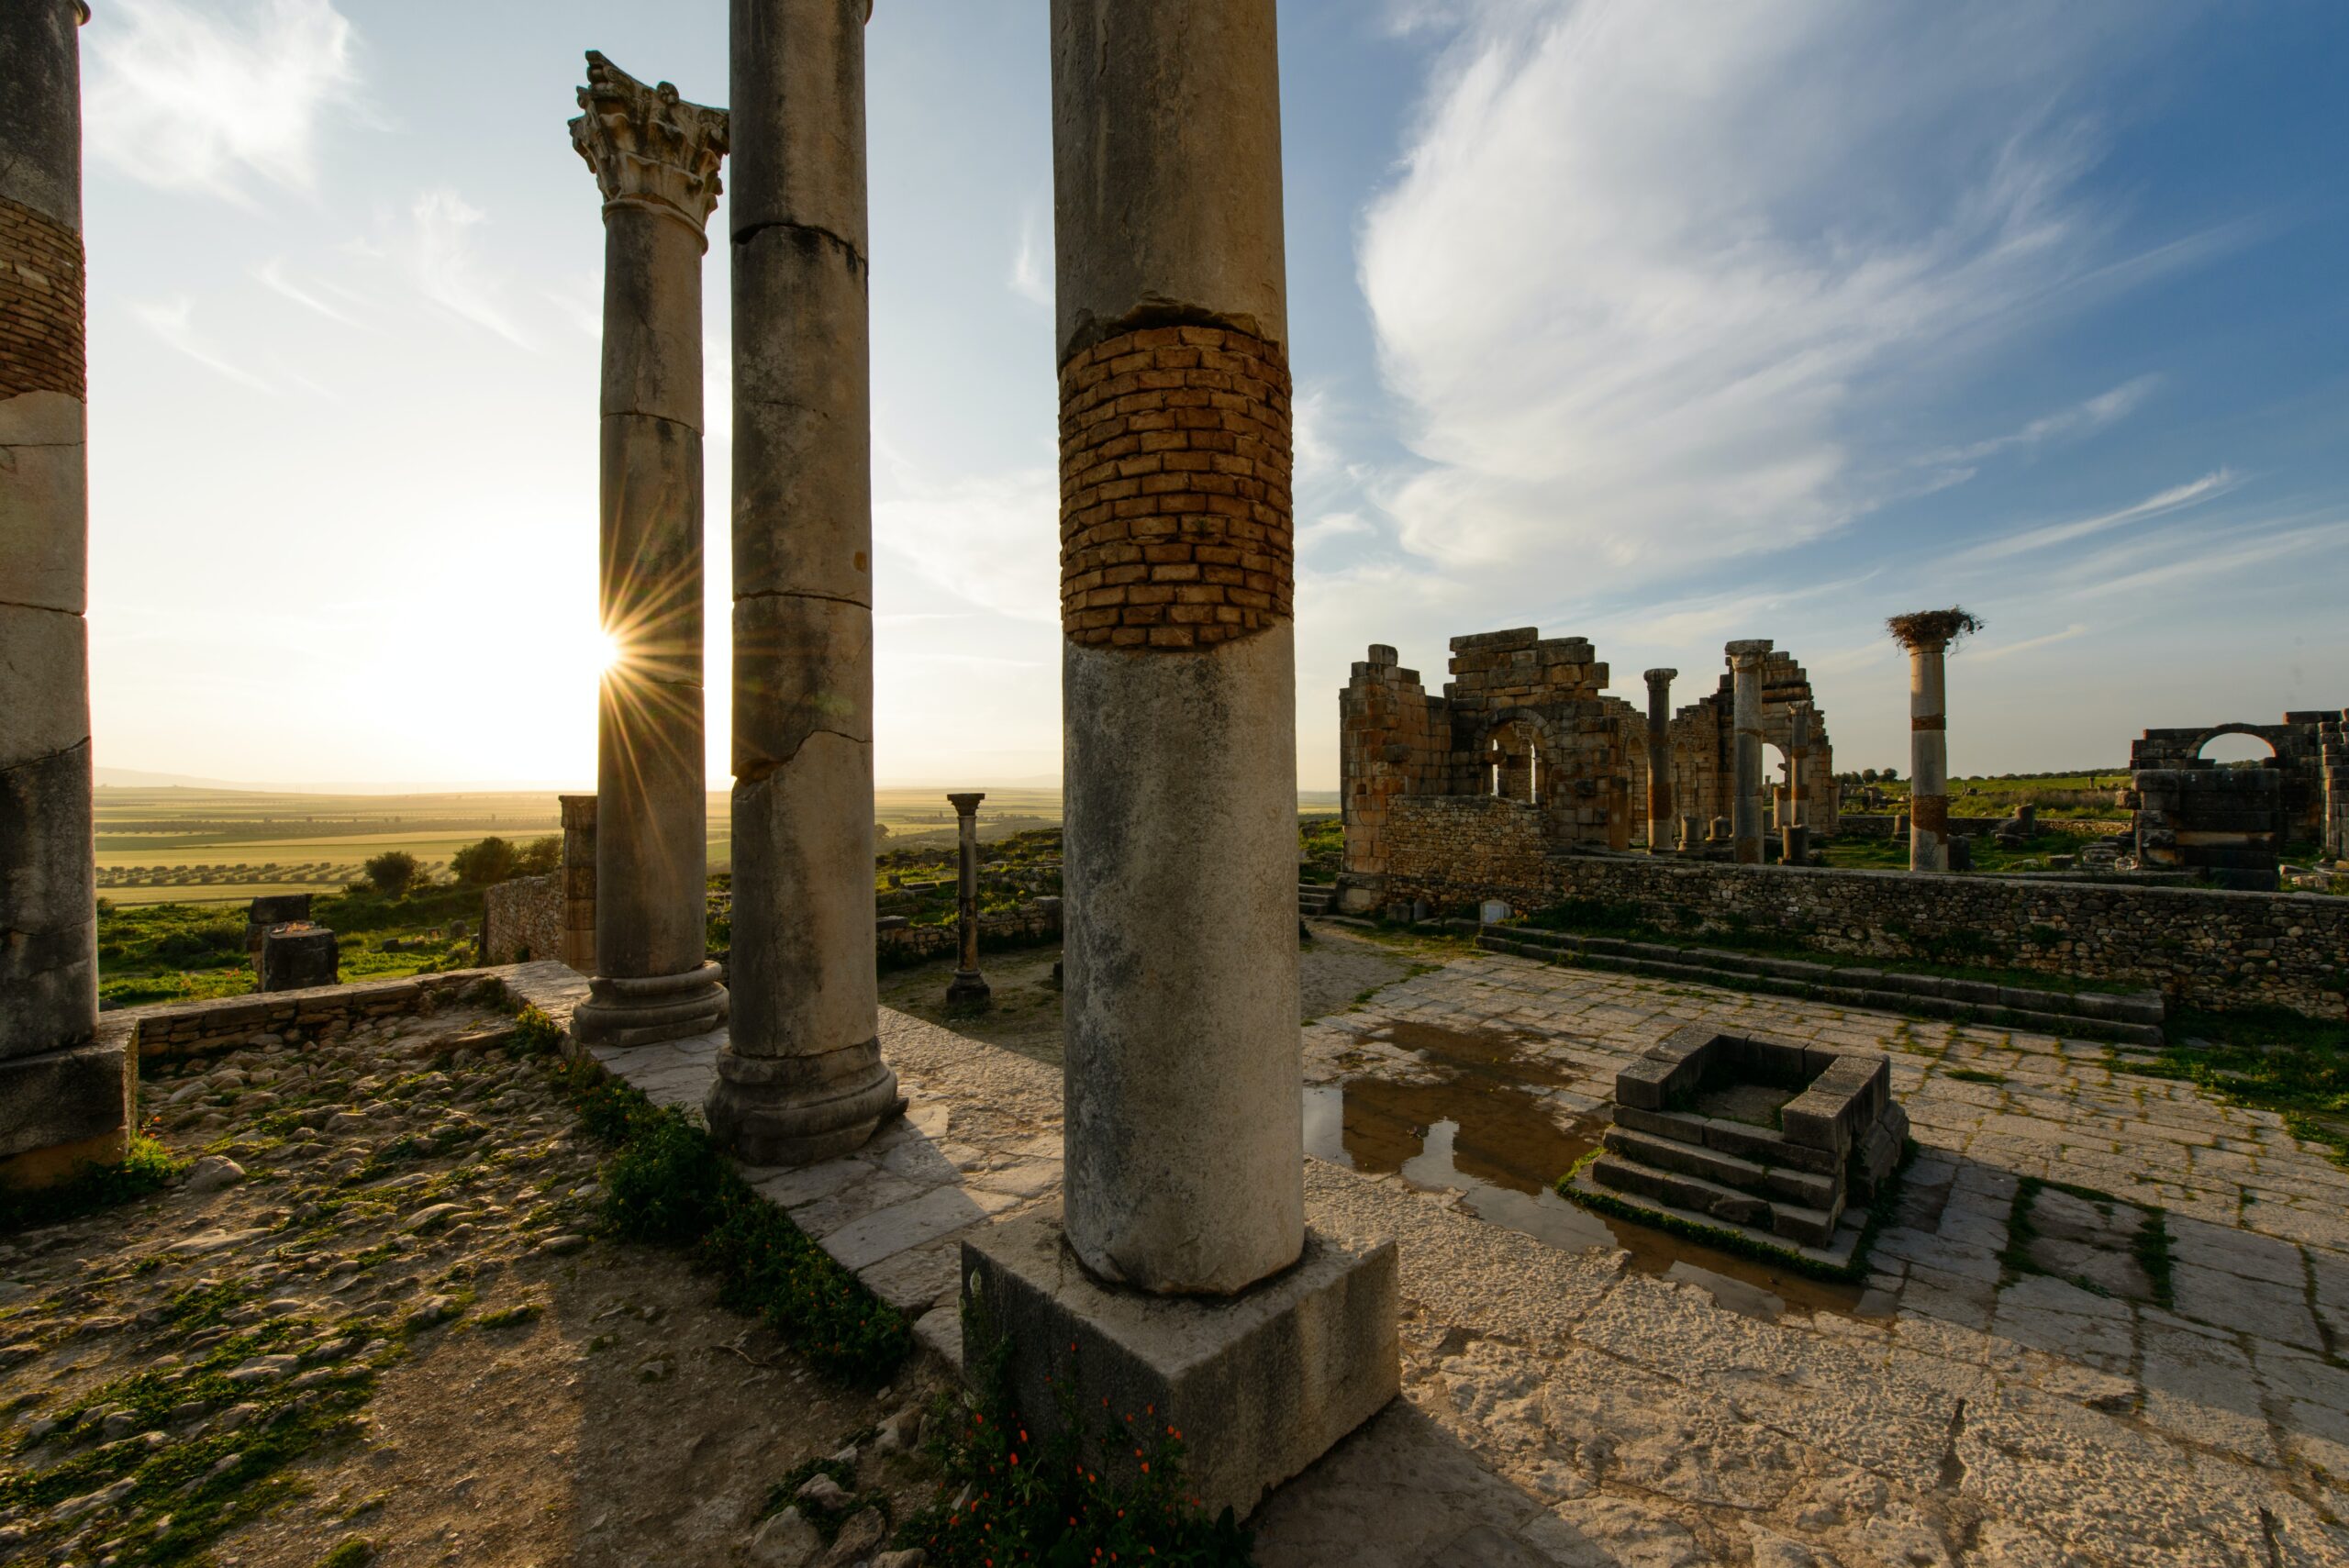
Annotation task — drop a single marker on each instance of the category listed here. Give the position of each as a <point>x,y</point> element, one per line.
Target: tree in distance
<point>392,872</point>
<point>540,857</point>
<point>484,865</point>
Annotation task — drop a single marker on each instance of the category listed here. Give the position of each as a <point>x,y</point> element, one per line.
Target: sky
<point>1657,325</point>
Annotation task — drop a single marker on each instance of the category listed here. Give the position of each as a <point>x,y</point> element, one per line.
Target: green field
<point>2085,796</point>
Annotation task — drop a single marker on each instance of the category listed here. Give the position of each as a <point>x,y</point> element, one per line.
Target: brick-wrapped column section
<point>1928,755</point>
<point>656,160</point>
<point>801,1078</point>
<point>1660,758</point>
<point>1184,1133</point>
<point>969,987</point>
<point>63,1092</point>
<point>1745,707</point>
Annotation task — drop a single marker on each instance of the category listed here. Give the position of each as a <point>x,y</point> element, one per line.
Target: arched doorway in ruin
<point>2229,745</point>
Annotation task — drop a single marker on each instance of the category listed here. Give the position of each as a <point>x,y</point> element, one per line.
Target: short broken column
<point>1927,635</point>
<point>297,955</point>
<point>1183,1130</point>
<point>655,158</point>
<point>801,1078</point>
<point>1745,703</point>
<point>969,987</point>
<point>579,881</point>
<point>1659,758</point>
<point>64,1090</point>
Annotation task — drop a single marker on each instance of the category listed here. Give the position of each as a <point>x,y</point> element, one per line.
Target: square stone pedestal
<point>64,1109</point>
<point>1260,1384</point>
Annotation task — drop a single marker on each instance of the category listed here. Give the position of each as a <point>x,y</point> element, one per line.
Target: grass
<point>2085,793</point>
<point>2263,1059</point>
<point>667,1184</point>
<point>188,953</point>
<point>1322,846</point>
<point>1870,852</point>
<point>145,1167</point>
<point>1098,1488</point>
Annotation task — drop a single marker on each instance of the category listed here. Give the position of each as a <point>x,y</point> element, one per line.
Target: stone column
<point>1796,844</point>
<point>1745,701</point>
<point>802,1078</point>
<point>1185,1135</point>
<point>1927,639</point>
<point>969,987</point>
<point>655,158</point>
<point>579,881</point>
<point>63,1092</point>
<point>1659,758</point>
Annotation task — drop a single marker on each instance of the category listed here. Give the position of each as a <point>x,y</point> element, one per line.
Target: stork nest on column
<point>1929,628</point>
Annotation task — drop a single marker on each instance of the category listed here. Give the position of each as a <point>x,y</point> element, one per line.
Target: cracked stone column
<point>655,158</point>
<point>1660,758</point>
<point>1928,747</point>
<point>801,1078</point>
<point>1795,846</point>
<point>1185,1139</point>
<point>62,1092</point>
<point>1745,702</point>
<point>969,987</point>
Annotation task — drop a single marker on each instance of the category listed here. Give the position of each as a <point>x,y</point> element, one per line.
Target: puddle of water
<point>1483,1133</point>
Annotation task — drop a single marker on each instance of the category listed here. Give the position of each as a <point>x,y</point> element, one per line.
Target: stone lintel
<point>64,1107</point>
<point>1260,1384</point>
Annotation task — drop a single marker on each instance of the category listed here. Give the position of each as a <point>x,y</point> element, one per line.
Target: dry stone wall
<point>522,921</point>
<point>2201,948</point>
<point>2299,762</point>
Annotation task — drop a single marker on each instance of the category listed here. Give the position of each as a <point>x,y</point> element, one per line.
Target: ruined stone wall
<point>1389,745</point>
<point>193,1028</point>
<point>1518,681</point>
<point>1703,740</point>
<point>522,921</point>
<point>1030,925</point>
<point>2334,742</point>
<point>2226,823</point>
<point>2202,948</point>
<point>2298,743</point>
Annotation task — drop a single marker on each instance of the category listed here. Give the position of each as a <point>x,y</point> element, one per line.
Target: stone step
<point>1779,1183</point>
<point>1694,1195</point>
<point>2062,1013</point>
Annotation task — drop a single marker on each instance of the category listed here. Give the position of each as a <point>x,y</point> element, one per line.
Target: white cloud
<point>2217,483</point>
<point>1031,264</point>
<point>173,321</point>
<point>1646,268</point>
<point>446,266</point>
<point>991,540</point>
<point>186,98</point>
<point>2008,650</point>
<point>2081,420</point>
<point>272,274</point>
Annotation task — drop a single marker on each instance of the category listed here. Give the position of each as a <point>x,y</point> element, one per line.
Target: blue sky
<point>1657,325</point>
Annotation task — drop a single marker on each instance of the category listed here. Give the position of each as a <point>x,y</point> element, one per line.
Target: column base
<point>649,1010</point>
<point>1260,1384</point>
<point>968,989</point>
<point>798,1110</point>
<point>63,1110</point>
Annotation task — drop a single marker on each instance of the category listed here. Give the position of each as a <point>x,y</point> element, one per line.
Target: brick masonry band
<point>1930,721</point>
<point>1930,812</point>
<point>1175,489</point>
<point>40,304</point>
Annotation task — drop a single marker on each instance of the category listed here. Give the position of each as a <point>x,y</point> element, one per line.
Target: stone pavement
<point>1598,1395</point>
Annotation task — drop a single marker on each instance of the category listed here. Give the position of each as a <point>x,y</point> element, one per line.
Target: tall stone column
<point>656,159</point>
<point>63,1093</point>
<point>1796,841</point>
<point>802,1077</point>
<point>1660,758</point>
<point>1745,705</point>
<point>1183,1105</point>
<point>1185,1139</point>
<point>1929,635</point>
<point>969,987</point>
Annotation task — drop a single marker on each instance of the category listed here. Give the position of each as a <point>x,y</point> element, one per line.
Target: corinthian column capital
<point>648,147</point>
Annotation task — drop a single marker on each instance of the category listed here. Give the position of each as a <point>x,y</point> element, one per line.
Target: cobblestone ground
<point>2023,1382</point>
<point>374,1312</point>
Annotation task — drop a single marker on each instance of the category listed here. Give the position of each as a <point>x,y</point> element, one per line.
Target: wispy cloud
<point>991,540</point>
<point>187,97</point>
<point>273,276</point>
<point>173,321</point>
<point>2081,420</point>
<point>445,263</point>
<point>1635,309</point>
<point>2009,649</point>
<point>1031,263</point>
<point>2216,483</point>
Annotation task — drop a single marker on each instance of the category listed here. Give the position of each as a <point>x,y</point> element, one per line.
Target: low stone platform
<point>61,1108</point>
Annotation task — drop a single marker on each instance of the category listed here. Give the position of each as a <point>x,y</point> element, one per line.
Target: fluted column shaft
<point>1659,758</point>
<point>656,160</point>
<point>1745,704</point>
<point>1184,1106</point>
<point>802,1078</point>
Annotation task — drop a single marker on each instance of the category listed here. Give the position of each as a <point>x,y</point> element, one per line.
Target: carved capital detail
<point>648,147</point>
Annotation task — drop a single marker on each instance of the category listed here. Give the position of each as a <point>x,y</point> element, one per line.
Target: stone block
<point>63,1107</point>
<point>1260,1384</point>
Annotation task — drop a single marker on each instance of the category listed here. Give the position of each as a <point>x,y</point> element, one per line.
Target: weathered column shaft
<point>656,162</point>
<point>64,1091</point>
<point>1659,758</point>
<point>1184,1107</point>
<point>802,1078</point>
<point>1799,767</point>
<point>1928,759</point>
<point>968,985</point>
<point>1745,700</point>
